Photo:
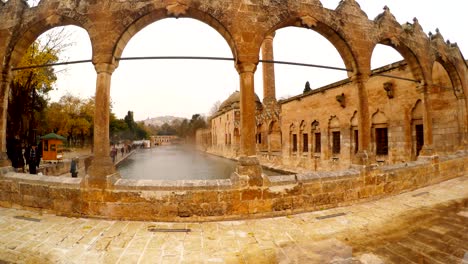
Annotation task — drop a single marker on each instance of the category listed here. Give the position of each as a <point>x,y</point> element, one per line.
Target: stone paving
<point>428,225</point>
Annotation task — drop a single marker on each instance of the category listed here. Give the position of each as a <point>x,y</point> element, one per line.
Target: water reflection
<point>176,163</point>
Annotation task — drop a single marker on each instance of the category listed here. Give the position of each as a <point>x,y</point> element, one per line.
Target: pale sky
<point>182,88</point>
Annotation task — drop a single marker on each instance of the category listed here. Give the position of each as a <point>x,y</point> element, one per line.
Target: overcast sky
<point>183,88</point>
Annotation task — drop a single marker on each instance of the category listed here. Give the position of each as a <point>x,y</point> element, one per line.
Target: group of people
<point>20,156</point>
<point>123,149</point>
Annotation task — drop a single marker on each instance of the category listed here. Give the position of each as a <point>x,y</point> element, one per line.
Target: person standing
<point>32,160</point>
<point>74,167</point>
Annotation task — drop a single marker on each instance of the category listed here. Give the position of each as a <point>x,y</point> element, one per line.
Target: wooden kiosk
<point>52,147</point>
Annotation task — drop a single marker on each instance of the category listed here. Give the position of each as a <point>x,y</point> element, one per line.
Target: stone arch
<point>453,75</point>
<point>379,117</point>
<point>162,13</point>
<point>334,122</point>
<point>325,29</point>
<point>274,136</point>
<point>303,125</point>
<point>417,112</point>
<point>315,126</point>
<point>448,107</point>
<point>354,119</point>
<point>406,39</point>
<point>37,27</point>
<point>407,53</point>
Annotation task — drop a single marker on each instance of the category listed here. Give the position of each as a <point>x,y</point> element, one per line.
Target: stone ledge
<point>41,179</point>
<point>206,200</point>
<point>166,185</point>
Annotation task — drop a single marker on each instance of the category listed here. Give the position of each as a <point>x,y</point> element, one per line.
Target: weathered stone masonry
<point>245,25</point>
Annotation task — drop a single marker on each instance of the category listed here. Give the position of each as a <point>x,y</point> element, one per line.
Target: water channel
<point>177,162</point>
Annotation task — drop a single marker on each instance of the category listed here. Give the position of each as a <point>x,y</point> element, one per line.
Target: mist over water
<point>175,162</point>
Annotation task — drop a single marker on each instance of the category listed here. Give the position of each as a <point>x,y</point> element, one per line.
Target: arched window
<point>380,130</point>
<point>317,137</point>
<point>354,134</point>
<point>417,134</point>
<point>335,135</point>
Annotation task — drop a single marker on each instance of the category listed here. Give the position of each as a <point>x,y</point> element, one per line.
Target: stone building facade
<point>318,130</point>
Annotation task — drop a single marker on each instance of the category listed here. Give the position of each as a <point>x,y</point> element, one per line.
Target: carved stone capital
<point>105,68</point>
<point>359,78</point>
<point>244,67</point>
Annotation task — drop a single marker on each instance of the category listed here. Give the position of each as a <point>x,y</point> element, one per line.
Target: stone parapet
<point>207,200</point>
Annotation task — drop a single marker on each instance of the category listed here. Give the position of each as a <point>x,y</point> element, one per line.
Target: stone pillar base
<point>4,161</point>
<point>362,158</point>
<point>427,151</point>
<point>101,174</point>
<point>250,166</point>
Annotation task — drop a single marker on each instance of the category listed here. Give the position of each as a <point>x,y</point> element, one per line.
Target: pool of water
<point>177,163</point>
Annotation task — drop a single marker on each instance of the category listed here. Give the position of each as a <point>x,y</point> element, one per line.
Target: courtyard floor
<point>428,225</point>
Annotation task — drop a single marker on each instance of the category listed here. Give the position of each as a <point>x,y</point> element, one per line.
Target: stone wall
<point>223,199</point>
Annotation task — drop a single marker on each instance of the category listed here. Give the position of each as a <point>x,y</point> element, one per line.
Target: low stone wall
<point>223,199</point>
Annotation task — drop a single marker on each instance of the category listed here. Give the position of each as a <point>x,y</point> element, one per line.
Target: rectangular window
<point>419,138</point>
<point>305,142</point>
<point>294,142</point>
<point>318,143</point>
<point>356,141</point>
<point>46,145</point>
<point>381,141</point>
<point>336,142</point>
<point>259,138</point>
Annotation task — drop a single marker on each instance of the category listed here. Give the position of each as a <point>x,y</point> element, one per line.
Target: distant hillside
<point>160,120</point>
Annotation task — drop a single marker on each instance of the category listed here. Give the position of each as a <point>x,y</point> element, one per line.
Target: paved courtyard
<point>428,225</point>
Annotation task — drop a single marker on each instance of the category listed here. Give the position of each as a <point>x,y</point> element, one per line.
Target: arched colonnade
<point>246,27</point>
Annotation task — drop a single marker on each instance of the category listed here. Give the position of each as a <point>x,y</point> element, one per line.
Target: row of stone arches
<point>122,20</point>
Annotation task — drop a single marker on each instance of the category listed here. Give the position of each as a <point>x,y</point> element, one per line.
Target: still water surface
<point>176,163</point>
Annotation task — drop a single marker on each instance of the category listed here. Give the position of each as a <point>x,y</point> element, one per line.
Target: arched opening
<point>417,129</point>
<point>292,140</point>
<point>48,100</point>
<point>304,138</point>
<point>384,55</point>
<point>447,106</point>
<point>354,134</point>
<point>395,76</point>
<point>334,137</point>
<point>274,137</point>
<point>380,135</point>
<point>179,89</point>
<point>290,80</point>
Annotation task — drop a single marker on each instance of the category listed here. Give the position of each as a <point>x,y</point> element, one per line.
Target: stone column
<point>269,90</point>
<point>428,149</point>
<point>247,108</point>
<point>248,162</point>
<point>364,127</point>
<point>4,93</point>
<point>102,165</point>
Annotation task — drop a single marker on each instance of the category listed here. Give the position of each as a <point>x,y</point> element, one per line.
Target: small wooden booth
<point>52,147</point>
